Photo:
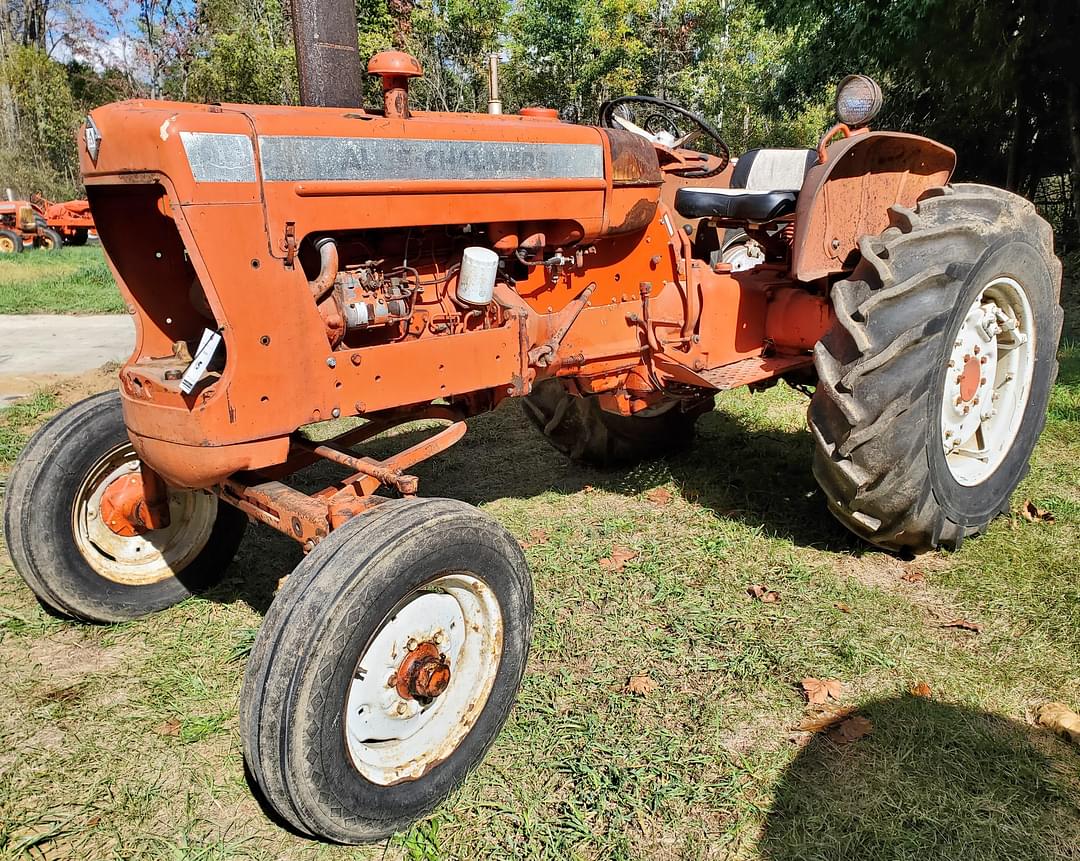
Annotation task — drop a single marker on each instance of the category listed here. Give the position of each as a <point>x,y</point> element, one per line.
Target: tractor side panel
<point>849,196</point>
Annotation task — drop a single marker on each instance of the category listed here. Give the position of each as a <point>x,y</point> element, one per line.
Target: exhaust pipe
<point>494,102</point>
<point>327,55</point>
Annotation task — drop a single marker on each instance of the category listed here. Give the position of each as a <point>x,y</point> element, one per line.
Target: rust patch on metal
<point>424,674</point>
<point>633,160</point>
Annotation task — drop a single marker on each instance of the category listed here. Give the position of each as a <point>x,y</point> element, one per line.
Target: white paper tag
<point>208,346</point>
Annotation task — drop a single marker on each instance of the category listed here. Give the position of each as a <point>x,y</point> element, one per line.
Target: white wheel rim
<point>391,739</point>
<point>152,556</point>
<point>988,381</point>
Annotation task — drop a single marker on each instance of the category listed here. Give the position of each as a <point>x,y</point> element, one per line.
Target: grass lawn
<point>71,281</point>
<point>122,741</point>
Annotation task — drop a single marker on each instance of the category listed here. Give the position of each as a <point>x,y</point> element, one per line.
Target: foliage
<point>245,54</point>
<point>999,81</point>
<point>40,142</point>
<point>717,58</point>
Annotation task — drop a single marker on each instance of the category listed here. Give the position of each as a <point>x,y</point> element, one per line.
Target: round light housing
<point>858,100</point>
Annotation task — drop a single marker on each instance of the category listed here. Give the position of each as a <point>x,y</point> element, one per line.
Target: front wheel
<point>10,242</point>
<point>49,239</point>
<point>75,551</point>
<point>934,381</point>
<point>386,667</point>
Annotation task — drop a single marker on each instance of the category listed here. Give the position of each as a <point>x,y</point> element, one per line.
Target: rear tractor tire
<point>934,380</point>
<point>10,242</point>
<point>60,539</point>
<point>385,668</point>
<point>580,429</point>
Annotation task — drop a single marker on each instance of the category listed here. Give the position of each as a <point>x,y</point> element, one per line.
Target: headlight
<point>858,100</point>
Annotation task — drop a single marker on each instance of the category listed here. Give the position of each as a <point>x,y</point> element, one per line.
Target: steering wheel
<point>660,125</point>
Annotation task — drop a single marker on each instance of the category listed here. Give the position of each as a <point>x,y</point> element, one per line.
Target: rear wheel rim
<point>6,245</point>
<point>393,739</point>
<point>988,381</point>
<point>150,557</point>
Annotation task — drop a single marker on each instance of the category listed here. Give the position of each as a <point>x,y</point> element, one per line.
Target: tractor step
<point>752,370</point>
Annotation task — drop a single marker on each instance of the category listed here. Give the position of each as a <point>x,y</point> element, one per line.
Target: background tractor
<point>23,225</point>
<point>72,219</point>
<point>298,265</point>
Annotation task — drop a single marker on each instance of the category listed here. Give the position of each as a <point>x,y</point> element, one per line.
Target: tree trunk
<point>1073,108</point>
<point>8,119</point>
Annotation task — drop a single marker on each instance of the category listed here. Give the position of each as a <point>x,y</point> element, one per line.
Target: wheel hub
<point>987,378</point>
<point>111,523</point>
<point>424,674</point>
<point>123,506</point>
<point>405,711</point>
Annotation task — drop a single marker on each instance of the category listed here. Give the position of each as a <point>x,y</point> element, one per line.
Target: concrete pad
<point>36,348</point>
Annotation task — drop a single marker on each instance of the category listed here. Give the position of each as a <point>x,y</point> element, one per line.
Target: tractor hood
<point>429,169</point>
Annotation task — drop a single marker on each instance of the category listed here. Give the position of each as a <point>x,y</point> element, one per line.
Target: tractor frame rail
<point>309,518</point>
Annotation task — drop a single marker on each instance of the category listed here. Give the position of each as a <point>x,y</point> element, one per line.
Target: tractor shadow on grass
<point>758,477</point>
<point>933,781</point>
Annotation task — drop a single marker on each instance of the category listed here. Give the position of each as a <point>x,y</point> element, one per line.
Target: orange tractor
<point>72,219</point>
<point>23,225</point>
<point>295,265</point>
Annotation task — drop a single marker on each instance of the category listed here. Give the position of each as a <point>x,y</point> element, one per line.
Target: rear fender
<point>849,196</point>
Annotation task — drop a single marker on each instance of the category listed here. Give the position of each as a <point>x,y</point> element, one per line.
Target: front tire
<point>68,555</point>
<point>49,239</point>
<point>580,429</point>
<point>10,242</point>
<point>341,743</point>
<point>935,379</point>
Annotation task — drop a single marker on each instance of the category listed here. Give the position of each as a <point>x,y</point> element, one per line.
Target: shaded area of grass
<point>71,281</point>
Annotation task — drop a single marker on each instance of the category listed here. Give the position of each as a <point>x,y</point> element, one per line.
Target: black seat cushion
<point>734,203</point>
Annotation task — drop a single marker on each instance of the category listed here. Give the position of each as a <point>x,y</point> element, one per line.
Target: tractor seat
<point>764,186</point>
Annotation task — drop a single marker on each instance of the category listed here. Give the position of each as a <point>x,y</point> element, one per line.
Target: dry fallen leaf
<point>1061,719</point>
<point>913,577</point>
<point>824,718</point>
<point>842,607</point>
<point>588,488</point>
<point>762,593</point>
<point>852,729</point>
<point>963,625</point>
<point>659,496</point>
<point>169,727</point>
<point>819,690</point>
<point>536,536</point>
<point>618,559</point>
<point>921,689</point>
<point>641,685</point>
<point>1033,514</point>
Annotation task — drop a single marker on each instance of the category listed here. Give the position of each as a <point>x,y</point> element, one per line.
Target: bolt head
<point>335,412</point>
<point>331,362</point>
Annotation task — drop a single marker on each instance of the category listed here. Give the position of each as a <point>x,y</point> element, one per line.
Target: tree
<point>996,79</point>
